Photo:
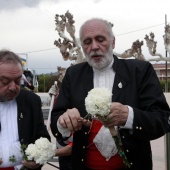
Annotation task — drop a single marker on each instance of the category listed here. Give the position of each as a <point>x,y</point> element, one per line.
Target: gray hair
<point>107,23</point>
<point>7,56</point>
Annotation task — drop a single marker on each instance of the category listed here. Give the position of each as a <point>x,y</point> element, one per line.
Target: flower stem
<point>119,148</point>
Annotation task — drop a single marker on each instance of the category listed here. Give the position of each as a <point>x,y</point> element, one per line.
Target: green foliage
<point>163,82</point>
<point>45,82</point>
<point>23,148</point>
<point>12,159</point>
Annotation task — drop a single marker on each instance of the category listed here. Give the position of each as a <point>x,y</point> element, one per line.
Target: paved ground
<point>52,166</point>
<point>158,152</point>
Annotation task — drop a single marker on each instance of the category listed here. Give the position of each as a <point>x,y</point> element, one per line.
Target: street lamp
<point>44,82</point>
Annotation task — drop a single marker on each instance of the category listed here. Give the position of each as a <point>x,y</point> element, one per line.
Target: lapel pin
<point>21,115</point>
<point>120,85</point>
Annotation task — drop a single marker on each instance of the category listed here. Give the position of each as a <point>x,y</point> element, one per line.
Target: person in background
<point>139,109</point>
<point>64,145</point>
<point>24,81</point>
<point>64,149</point>
<point>21,117</point>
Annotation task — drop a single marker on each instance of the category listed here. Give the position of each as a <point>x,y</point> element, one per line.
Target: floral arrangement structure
<point>97,103</point>
<point>40,152</point>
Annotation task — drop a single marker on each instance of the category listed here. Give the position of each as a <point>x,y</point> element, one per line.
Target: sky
<point>27,27</point>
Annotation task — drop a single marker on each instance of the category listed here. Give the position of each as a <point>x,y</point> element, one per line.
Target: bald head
<point>99,21</point>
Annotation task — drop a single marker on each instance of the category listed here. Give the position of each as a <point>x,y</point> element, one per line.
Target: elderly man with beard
<point>139,110</point>
<point>21,117</point>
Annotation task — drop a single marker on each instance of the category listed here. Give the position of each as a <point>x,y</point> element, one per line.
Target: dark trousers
<point>65,162</point>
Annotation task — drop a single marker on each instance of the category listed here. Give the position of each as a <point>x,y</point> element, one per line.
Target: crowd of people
<point>139,111</point>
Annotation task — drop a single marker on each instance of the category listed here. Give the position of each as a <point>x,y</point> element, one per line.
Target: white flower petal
<point>98,101</point>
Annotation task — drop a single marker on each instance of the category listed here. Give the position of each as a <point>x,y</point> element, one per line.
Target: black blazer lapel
<point>87,80</point>
<point>20,113</point>
<point>119,85</point>
<point>120,80</point>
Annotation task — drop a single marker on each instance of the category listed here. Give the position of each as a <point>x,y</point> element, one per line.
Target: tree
<point>46,81</point>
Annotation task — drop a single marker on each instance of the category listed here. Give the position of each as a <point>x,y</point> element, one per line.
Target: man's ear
<point>113,43</point>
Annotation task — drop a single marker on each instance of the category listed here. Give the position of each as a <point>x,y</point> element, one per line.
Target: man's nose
<point>12,85</point>
<point>94,45</point>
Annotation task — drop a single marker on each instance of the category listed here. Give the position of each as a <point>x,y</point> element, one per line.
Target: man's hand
<point>30,164</point>
<point>118,115</point>
<point>72,121</point>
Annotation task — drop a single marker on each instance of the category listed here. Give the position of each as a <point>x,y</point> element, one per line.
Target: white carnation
<point>31,151</point>
<point>42,143</point>
<point>98,101</point>
<point>41,151</point>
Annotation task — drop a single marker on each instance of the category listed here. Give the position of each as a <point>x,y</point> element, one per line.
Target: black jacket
<point>30,118</point>
<point>141,90</point>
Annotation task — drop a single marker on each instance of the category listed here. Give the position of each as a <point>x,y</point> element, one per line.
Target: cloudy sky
<point>27,27</point>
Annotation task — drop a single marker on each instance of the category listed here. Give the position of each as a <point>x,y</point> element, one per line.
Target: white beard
<point>105,60</point>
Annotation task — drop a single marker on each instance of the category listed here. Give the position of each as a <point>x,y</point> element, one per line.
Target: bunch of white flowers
<point>98,102</point>
<point>41,151</point>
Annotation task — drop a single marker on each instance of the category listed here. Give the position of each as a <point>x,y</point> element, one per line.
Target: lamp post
<point>43,82</point>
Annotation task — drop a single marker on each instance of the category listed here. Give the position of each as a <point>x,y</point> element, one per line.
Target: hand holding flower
<point>37,154</point>
<point>98,105</point>
<point>118,115</point>
<point>30,164</point>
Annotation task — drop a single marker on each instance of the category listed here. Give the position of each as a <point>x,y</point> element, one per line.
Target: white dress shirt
<point>9,138</point>
<point>105,78</point>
